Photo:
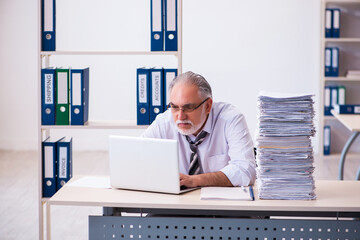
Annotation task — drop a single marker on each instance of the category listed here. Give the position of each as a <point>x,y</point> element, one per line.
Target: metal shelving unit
<point>349,45</point>
<point>45,131</point>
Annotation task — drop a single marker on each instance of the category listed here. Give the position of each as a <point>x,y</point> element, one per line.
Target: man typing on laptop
<point>215,147</point>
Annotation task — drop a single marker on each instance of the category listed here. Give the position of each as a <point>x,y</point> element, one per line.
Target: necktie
<point>194,158</point>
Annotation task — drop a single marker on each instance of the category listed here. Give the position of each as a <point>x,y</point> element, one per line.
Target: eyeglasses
<point>187,108</point>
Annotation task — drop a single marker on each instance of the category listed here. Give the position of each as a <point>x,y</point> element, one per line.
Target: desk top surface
<point>332,196</point>
<point>351,121</point>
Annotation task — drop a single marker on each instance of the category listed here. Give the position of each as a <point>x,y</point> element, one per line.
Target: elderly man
<point>215,146</point>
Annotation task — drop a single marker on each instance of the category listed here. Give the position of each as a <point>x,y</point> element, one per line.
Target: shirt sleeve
<point>153,131</point>
<point>159,127</point>
<point>241,167</point>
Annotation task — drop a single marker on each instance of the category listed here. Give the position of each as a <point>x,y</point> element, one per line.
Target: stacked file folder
<point>333,95</point>
<point>64,96</point>
<point>332,22</point>
<point>284,150</point>
<point>56,164</point>
<point>152,92</point>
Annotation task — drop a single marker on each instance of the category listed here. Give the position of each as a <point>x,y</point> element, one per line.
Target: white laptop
<point>146,164</point>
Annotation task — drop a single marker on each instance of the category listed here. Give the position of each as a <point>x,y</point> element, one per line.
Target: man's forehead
<point>185,90</point>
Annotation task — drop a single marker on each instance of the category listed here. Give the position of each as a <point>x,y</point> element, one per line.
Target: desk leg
<point>344,152</point>
<point>48,221</point>
<point>358,174</point>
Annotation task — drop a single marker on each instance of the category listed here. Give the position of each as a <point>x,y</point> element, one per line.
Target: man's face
<point>185,96</point>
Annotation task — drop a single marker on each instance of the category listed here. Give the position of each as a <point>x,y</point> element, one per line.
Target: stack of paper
<point>353,73</point>
<point>284,150</point>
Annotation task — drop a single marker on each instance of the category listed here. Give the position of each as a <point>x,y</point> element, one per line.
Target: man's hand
<point>188,180</point>
<point>204,180</point>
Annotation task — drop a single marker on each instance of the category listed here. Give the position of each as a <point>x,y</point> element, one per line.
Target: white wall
<point>240,47</point>
<point>18,74</point>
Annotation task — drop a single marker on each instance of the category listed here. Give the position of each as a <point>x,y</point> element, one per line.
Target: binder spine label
<point>171,25</point>
<point>142,88</point>
<point>49,162</point>
<point>327,101</point>
<point>157,31</point>
<point>156,86</point>
<point>357,109</point>
<point>48,16</point>
<point>335,55</point>
<point>76,89</point>
<point>143,96</point>
<point>327,140</point>
<point>327,97</point>
<point>49,96</point>
<point>328,19</point>
<point>336,22</point>
<point>341,97</point>
<point>171,15</point>
<point>334,96</point>
<point>327,62</point>
<point>156,16</point>
<point>62,162</point>
<point>62,97</point>
<point>327,57</point>
<point>62,88</point>
<point>169,77</point>
<point>48,25</point>
<point>327,137</point>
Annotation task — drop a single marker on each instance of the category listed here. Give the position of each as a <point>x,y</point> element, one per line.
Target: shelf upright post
<point>322,80</point>
<point>39,131</point>
<point>179,16</point>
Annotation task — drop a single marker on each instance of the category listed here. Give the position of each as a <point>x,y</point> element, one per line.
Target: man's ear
<point>208,105</point>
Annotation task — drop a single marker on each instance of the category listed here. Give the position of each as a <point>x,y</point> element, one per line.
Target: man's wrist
<point>198,180</point>
<point>211,179</point>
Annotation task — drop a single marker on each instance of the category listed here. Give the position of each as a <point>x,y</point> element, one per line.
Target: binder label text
<point>49,98</point>
<point>156,98</point>
<point>62,162</point>
<point>142,88</point>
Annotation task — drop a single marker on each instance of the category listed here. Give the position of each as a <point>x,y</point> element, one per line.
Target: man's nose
<point>181,115</point>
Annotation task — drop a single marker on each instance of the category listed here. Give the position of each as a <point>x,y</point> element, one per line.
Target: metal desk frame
<point>352,122</point>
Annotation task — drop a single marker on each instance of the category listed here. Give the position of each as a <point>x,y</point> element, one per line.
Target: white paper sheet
<point>226,193</point>
<point>92,182</point>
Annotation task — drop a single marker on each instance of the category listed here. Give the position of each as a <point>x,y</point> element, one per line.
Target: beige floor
<point>19,193</point>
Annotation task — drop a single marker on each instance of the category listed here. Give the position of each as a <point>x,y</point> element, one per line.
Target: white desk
<point>351,122</point>
<point>334,199</point>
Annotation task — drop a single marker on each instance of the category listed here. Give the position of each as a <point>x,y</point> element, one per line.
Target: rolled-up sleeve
<point>241,166</point>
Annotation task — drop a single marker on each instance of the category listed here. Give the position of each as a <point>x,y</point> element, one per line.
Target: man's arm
<point>204,180</point>
<point>241,167</point>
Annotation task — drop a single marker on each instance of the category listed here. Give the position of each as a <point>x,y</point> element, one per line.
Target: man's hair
<point>195,79</point>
